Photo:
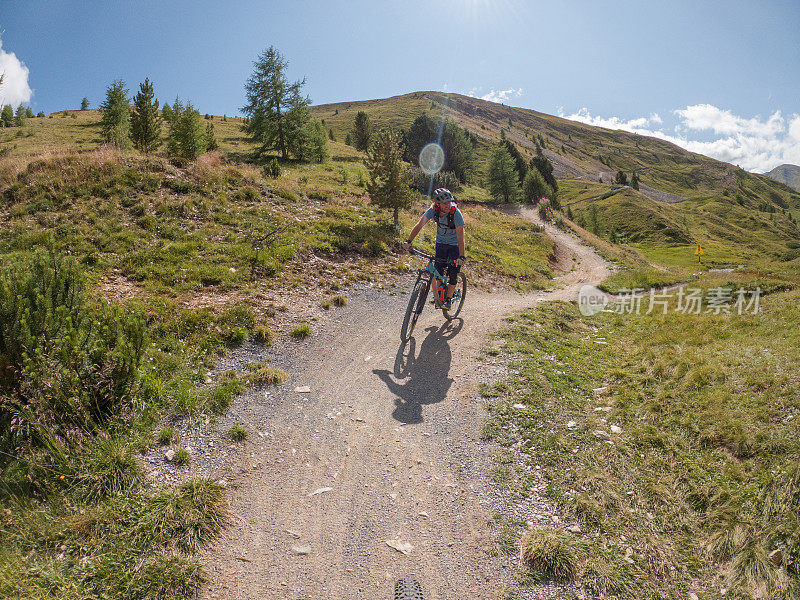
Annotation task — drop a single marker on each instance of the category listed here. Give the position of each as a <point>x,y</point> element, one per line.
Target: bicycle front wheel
<point>459,296</point>
<point>415,303</point>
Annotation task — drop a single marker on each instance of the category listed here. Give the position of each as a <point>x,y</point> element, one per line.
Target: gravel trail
<point>379,471</point>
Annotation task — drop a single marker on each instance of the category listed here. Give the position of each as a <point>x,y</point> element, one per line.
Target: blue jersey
<point>445,235</point>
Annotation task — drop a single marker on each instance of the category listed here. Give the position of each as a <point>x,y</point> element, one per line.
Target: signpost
<point>698,253</point>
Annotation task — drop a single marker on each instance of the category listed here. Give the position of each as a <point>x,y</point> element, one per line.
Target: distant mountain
<point>683,198</point>
<point>787,174</point>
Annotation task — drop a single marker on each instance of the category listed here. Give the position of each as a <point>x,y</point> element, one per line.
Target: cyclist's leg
<point>452,270</point>
<point>442,253</point>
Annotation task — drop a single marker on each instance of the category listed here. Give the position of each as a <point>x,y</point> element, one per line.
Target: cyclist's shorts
<point>445,255</point>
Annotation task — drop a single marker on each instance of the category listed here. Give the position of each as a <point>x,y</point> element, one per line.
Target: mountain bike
<point>419,294</point>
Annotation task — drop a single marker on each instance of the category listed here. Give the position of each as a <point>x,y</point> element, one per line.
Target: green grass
<point>182,457</point>
<point>301,331</point>
<point>237,433</point>
<point>702,479</point>
<point>135,546</point>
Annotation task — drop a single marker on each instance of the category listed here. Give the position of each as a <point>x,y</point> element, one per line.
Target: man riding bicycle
<point>449,238</point>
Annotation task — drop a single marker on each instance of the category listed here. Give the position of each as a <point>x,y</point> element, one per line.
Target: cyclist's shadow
<point>424,376</point>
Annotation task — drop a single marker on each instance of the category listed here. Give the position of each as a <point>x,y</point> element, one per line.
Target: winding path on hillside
<point>384,448</point>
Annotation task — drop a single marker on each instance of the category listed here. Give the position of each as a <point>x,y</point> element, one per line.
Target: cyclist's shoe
<point>447,304</point>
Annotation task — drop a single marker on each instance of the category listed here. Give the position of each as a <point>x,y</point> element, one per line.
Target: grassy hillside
<point>741,216</point>
<point>196,258</point>
<point>671,441</point>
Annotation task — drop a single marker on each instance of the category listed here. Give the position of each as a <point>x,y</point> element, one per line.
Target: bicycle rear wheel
<point>415,303</point>
<point>408,589</point>
<point>459,296</point>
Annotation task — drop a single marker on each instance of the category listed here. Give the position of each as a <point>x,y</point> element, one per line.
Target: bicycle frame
<point>430,272</point>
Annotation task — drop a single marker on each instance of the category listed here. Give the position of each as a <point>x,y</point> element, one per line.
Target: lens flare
<point>431,158</point>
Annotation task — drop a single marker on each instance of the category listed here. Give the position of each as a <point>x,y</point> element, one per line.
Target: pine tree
<point>362,131</point>
<point>520,165</point>
<point>542,164</point>
<point>276,109</point>
<point>459,151</point>
<point>84,103</point>
<point>621,178</point>
<point>186,138</point>
<point>167,113</point>
<point>535,187</point>
<point>211,139</point>
<point>116,120</point>
<point>635,181</point>
<point>19,116</point>
<point>348,139</point>
<point>569,214</point>
<point>7,116</point>
<point>502,178</point>
<point>28,113</point>
<point>331,137</point>
<point>389,176</point>
<point>145,122</point>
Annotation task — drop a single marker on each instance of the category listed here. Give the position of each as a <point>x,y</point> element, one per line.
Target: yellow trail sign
<point>699,250</point>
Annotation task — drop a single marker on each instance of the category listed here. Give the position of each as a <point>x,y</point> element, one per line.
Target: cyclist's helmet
<point>443,196</point>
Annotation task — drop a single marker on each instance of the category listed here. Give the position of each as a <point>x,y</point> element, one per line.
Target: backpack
<point>451,222</point>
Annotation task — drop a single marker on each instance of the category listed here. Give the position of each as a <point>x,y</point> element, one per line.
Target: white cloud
<point>14,89</point>
<point>496,95</point>
<point>702,117</point>
<point>754,144</point>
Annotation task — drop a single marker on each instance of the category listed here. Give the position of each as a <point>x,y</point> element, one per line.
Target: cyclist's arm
<point>460,237</point>
<point>420,224</point>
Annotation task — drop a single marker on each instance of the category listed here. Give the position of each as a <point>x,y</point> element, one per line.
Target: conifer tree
<point>28,113</point>
<point>145,122</point>
<point>389,176</point>
<point>211,139</point>
<point>19,116</point>
<point>635,181</point>
<point>362,131</point>
<point>167,112</point>
<point>116,120</point>
<point>542,164</point>
<point>276,109</point>
<point>7,116</point>
<point>186,138</point>
<point>535,187</point>
<point>84,103</point>
<point>502,178</point>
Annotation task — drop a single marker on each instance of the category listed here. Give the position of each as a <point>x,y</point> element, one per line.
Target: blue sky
<point>730,69</point>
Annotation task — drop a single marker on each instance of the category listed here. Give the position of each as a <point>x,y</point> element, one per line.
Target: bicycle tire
<point>412,312</point>
<point>457,305</point>
<point>408,589</point>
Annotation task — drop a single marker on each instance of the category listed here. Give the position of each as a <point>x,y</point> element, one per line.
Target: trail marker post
<point>699,252</point>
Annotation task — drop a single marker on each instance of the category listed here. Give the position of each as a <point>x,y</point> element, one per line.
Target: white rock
<point>519,406</point>
<point>403,547</point>
<point>600,390</point>
<point>293,533</point>
<point>693,596</point>
<point>616,429</point>
<point>574,528</point>
<point>169,455</point>
<point>601,435</point>
<point>603,409</point>
<point>303,389</point>
<point>572,425</point>
<point>301,550</point>
<point>321,490</point>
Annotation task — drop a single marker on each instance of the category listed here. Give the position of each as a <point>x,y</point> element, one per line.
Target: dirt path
<point>384,447</point>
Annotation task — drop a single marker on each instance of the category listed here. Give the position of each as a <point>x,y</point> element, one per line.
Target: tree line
<point>140,124</point>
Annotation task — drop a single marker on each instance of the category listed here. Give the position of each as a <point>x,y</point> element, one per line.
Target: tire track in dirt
<point>394,432</point>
